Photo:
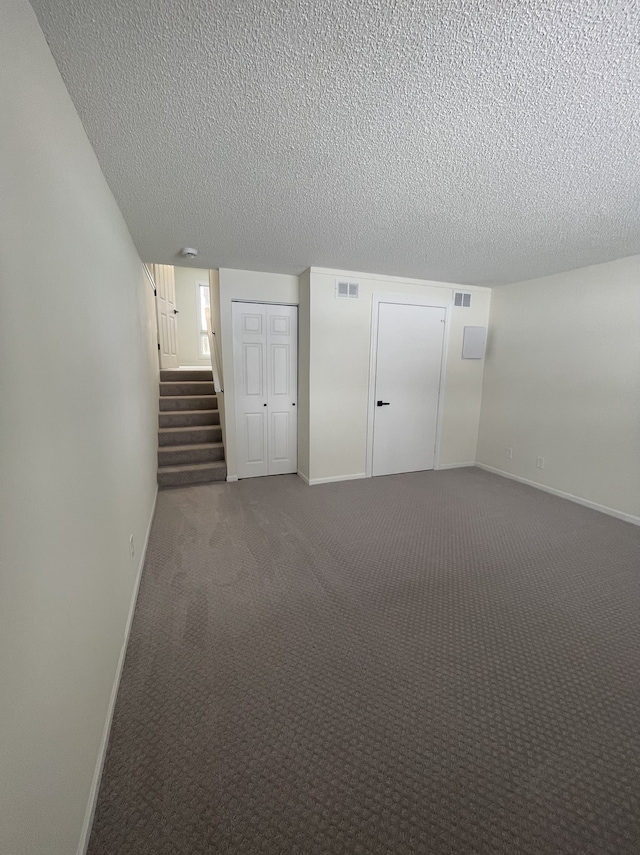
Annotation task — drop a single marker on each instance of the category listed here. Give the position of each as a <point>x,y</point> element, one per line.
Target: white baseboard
<point>612,512</point>
<point>232,478</point>
<point>334,478</point>
<point>304,477</point>
<point>102,753</point>
<point>455,465</point>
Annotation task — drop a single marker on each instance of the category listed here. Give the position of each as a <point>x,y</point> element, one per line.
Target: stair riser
<point>190,419</point>
<point>188,437</point>
<point>197,402</point>
<point>186,389</point>
<point>170,375</point>
<point>168,457</point>
<point>181,479</point>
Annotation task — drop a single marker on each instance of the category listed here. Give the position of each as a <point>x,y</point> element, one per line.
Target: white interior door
<point>265,357</point>
<point>407,387</point>
<point>164,277</point>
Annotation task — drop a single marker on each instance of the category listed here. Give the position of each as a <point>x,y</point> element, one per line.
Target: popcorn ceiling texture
<point>476,142</point>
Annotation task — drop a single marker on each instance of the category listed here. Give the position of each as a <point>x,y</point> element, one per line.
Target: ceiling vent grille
<point>346,289</point>
<point>460,298</point>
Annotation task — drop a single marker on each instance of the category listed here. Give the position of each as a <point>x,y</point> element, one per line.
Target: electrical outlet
<point>132,547</point>
<point>540,463</point>
<point>509,453</point>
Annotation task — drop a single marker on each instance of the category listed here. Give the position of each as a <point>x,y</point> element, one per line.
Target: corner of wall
<point>561,388</point>
<point>304,345</point>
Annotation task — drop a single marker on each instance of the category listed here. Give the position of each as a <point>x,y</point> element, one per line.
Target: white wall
<point>257,287</point>
<point>214,290</point>
<point>562,381</point>
<point>187,304</point>
<point>78,423</point>
<point>340,348</point>
<point>304,344</point>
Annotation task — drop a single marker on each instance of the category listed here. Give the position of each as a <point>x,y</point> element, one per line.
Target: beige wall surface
<point>187,281</point>
<point>255,287</point>
<point>562,382</point>
<point>340,352</point>
<point>78,426</point>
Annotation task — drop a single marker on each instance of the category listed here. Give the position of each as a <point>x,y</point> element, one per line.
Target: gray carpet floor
<point>441,662</point>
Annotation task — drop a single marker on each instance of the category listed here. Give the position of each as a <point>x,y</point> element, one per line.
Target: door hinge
<point>155,293</point>
<point>158,345</point>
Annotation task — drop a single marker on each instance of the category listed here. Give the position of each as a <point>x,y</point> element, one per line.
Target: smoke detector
<point>188,252</point>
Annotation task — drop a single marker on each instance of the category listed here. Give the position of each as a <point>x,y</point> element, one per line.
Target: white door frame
<point>404,300</point>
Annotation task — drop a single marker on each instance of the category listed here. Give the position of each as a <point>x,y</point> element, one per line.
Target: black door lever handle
<point>382,403</point>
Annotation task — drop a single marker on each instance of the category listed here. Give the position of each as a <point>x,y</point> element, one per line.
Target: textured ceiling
<point>477,142</point>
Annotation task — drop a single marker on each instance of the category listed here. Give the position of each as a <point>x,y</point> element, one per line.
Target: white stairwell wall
<point>78,430</point>
<point>187,280</point>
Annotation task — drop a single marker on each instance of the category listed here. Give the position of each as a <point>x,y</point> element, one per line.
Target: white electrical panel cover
<point>474,342</point>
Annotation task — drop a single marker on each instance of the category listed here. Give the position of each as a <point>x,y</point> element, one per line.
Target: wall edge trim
<point>334,478</point>
<point>455,465</point>
<point>102,753</point>
<point>587,503</point>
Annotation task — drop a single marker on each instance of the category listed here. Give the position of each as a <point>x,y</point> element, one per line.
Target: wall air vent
<point>460,298</point>
<point>347,289</point>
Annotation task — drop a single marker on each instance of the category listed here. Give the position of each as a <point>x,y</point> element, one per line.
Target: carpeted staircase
<point>190,449</point>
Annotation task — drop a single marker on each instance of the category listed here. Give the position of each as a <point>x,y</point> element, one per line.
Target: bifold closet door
<point>265,338</point>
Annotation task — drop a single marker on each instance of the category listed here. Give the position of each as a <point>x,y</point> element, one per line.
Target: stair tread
<point>181,373</point>
<point>184,428</point>
<point>186,412</point>
<point>183,397</point>
<point>194,467</point>
<point>186,382</point>
<point>170,449</point>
